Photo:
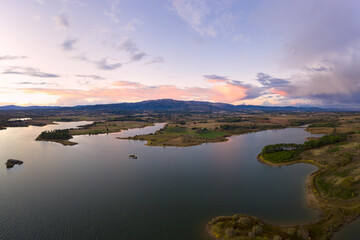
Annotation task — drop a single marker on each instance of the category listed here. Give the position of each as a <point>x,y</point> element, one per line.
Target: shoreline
<point>334,214</point>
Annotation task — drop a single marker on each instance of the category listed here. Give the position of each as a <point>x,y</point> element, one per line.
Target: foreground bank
<point>333,188</point>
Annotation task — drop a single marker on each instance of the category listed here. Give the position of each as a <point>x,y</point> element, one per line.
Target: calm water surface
<point>349,232</point>
<point>94,191</point>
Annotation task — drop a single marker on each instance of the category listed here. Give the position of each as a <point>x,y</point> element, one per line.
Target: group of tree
<point>281,147</point>
<point>55,134</point>
<point>325,140</point>
<point>295,149</point>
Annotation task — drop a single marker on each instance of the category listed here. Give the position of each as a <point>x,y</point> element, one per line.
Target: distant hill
<point>166,105</point>
<point>14,107</point>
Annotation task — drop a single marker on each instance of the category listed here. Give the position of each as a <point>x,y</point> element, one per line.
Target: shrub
<point>236,217</point>
<point>303,233</point>
<point>230,232</point>
<point>244,222</point>
<point>251,235</point>
<point>277,237</point>
<point>257,229</point>
<point>291,231</point>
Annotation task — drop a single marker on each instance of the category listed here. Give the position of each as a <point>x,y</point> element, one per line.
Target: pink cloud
<point>279,92</point>
<point>229,92</point>
<point>125,91</point>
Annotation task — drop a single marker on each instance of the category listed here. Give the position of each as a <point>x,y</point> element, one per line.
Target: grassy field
<point>334,188</point>
<point>108,127</point>
<point>175,135</point>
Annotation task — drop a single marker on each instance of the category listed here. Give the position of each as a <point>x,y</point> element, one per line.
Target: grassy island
<point>198,129</point>
<point>59,136</point>
<point>334,188</point>
<point>97,127</point>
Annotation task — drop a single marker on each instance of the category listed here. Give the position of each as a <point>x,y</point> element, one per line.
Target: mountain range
<point>166,105</point>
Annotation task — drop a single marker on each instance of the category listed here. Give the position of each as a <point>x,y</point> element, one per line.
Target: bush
<point>230,232</point>
<point>251,235</point>
<point>303,233</point>
<point>257,230</point>
<point>277,237</point>
<point>291,231</point>
<point>244,222</point>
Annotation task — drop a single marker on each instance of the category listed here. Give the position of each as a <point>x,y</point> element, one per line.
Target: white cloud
<point>131,25</point>
<point>130,46</point>
<point>206,17</point>
<point>113,11</point>
<point>158,59</point>
<point>68,44</point>
<point>62,20</point>
<point>241,38</point>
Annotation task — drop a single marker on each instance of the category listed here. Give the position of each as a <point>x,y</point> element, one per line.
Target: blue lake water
<point>94,191</point>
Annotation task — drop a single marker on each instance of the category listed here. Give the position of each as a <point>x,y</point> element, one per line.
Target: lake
<point>94,191</point>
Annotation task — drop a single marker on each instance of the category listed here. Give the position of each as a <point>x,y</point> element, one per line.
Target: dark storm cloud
<point>323,36</point>
<point>268,81</point>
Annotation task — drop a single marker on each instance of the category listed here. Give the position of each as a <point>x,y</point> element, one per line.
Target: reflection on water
<point>18,119</point>
<point>94,191</point>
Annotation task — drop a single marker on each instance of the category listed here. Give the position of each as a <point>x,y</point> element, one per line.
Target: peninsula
<point>333,189</point>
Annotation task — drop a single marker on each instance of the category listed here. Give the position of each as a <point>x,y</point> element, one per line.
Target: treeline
<point>285,152</point>
<point>130,118</point>
<point>55,134</point>
<point>234,119</point>
<point>325,140</point>
<point>324,124</point>
<point>296,123</point>
<point>281,147</point>
<point>241,128</point>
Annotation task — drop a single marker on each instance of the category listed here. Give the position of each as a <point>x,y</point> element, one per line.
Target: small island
<point>59,136</point>
<point>12,162</point>
<point>133,156</point>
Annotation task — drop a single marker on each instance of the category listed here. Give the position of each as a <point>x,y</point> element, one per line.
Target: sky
<point>259,52</point>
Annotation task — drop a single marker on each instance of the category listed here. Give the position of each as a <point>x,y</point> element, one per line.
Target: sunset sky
<point>263,52</point>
